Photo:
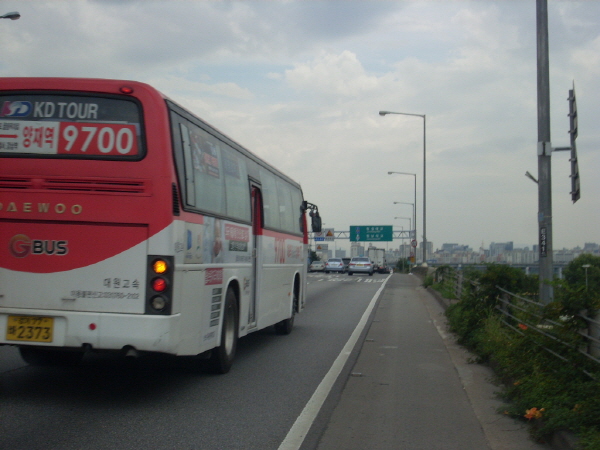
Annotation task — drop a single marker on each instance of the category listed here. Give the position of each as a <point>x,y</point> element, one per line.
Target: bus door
<point>257,225</point>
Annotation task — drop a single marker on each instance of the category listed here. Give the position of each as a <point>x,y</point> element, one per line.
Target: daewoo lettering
<point>29,207</point>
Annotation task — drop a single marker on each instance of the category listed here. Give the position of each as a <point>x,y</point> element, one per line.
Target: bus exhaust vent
<point>122,186</point>
<point>176,209</point>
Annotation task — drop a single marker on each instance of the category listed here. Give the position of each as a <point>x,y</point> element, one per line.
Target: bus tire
<point>36,356</point>
<point>285,326</point>
<point>222,357</point>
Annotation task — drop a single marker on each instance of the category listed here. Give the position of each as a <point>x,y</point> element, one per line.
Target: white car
<point>360,264</point>
<point>335,265</point>
<point>316,266</point>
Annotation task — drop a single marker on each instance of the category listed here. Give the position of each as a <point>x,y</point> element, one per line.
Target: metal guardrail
<point>591,335</point>
<point>512,304</point>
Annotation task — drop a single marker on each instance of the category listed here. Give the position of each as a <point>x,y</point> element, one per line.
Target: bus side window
<point>190,190</point>
<point>236,185</point>
<point>286,211</point>
<point>270,201</point>
<point>208,172</point>
<point>297,205</point>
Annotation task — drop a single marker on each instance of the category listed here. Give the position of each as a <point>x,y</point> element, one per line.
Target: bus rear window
<point>68,126</point>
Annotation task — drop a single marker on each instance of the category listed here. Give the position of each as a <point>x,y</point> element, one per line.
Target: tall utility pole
<point>544,154</point>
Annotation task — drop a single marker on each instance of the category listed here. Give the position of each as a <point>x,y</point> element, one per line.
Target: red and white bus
<point>129,224</point>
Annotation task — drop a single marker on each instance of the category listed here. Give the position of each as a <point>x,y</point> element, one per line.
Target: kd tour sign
<point>371,233</point>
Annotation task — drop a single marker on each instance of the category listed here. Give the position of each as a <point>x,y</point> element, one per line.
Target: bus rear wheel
<point>222,356</point>
<point>35,356</point>
<point>285,326</point>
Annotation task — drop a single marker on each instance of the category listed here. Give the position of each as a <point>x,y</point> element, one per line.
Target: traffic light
<point>575,188</point>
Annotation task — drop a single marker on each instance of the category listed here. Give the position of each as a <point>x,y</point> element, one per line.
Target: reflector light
<point>126,90</point>
<point>158,303</point>
<point>159,284</point>
<point>160,266</point>
<point>92,326</point>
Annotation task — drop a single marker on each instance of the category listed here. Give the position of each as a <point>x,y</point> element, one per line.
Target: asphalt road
<point>159,403</point>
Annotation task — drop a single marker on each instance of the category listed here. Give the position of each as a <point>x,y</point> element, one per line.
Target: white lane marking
<point>302,425</point>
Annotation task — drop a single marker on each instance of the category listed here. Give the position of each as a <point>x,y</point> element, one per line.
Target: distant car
<point>316,266</point>
<point>335,265</point>
<point>360,264</point>
<point>346,262</point>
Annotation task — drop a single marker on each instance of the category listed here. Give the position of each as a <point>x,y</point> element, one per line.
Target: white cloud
<point>332,75</point>
<point>190,88</point>
<point>300,84</point>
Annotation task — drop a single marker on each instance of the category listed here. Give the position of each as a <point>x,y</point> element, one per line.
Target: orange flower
<point>522,326</point>
<point>534,413</point>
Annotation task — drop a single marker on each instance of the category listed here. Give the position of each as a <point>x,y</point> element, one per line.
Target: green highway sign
<point>371,233</point>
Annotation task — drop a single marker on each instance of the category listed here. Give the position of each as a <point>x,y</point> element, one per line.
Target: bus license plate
<point>29,328</point>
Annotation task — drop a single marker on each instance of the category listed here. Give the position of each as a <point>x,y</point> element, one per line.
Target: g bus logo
<point>21,246</point>
<point>15,109</point>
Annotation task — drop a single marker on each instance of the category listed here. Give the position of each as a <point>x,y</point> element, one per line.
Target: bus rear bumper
<point>96,331</point>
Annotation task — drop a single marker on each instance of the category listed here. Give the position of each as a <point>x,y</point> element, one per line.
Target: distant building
<point>497,249</point>
<point>506,253</point>
<point>340,253</point>
<point>429,251</point>
<point>453,248</point>
<point>449,247</point>
<point>356,250</point>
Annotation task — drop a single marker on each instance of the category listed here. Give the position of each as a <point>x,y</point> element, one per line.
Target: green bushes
<point>480,298</point>
<point>550,385</point>
<point>443,281</point>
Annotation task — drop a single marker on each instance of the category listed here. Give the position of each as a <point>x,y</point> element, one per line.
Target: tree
<point>314,256</point>
<point>509,278</point>
<point>575,273</point>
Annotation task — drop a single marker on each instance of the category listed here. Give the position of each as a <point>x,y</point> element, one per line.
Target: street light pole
<point>11,15</point>
<point>415,203</point>
<point>403,247</point>
<point>424,117</point>
<point>406,218</point>
<point>586,267</point>
<point>414,220</point>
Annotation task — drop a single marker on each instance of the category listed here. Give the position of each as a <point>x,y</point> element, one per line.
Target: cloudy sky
<point>300,84</point>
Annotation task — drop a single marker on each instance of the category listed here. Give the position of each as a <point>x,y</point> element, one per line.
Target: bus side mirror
<point>314,215</point>
<point>316,222</point>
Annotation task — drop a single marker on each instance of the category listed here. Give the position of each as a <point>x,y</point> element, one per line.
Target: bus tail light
<point>159,284</point>
<point>160,266</point>
<point>159,291</point>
